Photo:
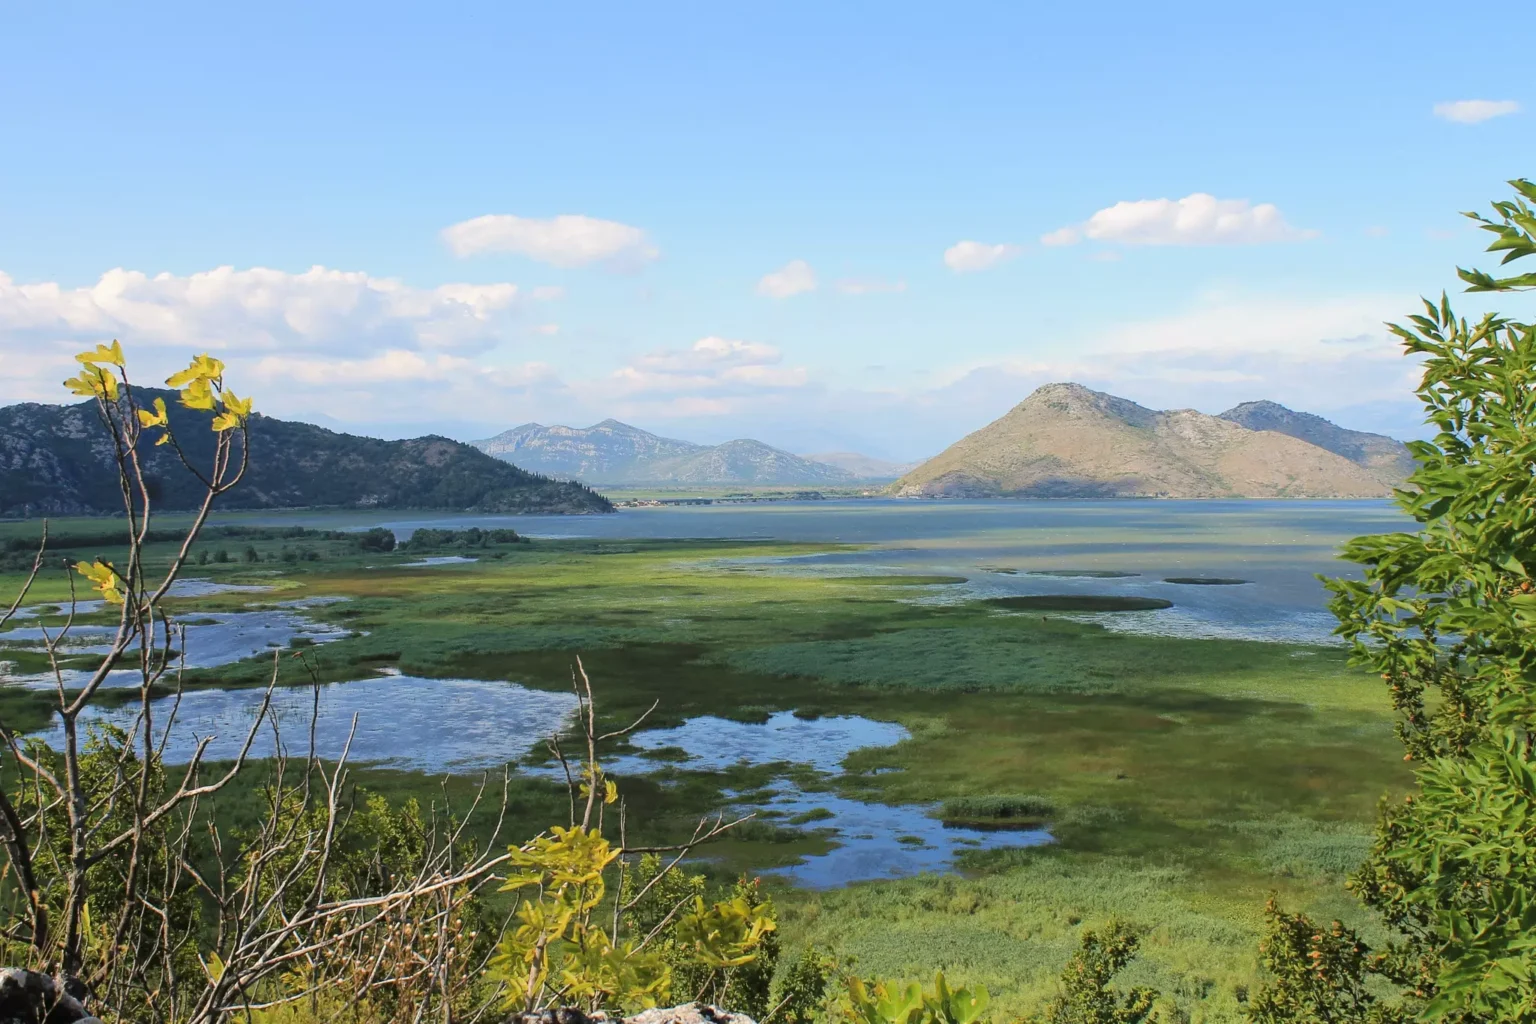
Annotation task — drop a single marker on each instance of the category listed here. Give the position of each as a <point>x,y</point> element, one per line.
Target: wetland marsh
<point>849,669</point>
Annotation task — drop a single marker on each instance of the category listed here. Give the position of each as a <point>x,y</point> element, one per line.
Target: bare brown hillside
<point>1066,440</point>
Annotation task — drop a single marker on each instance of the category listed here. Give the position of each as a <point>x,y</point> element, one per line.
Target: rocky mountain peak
<point>1072,399</point>
<point>1067,440</point>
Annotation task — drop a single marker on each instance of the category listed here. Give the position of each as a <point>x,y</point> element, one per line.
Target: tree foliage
<point>1087,996</point>
<point>1445,617</point>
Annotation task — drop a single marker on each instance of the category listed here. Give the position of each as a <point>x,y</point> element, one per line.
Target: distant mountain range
<point>864,467</point>
<point>1066,440</point>
<point>56,460</point>
<point>616,453</point>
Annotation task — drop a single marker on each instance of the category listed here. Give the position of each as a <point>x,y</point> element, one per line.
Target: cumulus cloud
<point>258,309</point>
<point>711,364</point>
<point>1062,236</point>
<point>1475,111</point>
<point>869,286</point>
<point>569,240</point>
<point>1198,219</point>
<point>792,278</point>
<point>968,257</point>
<point>332,340</point>
<point>396,366</point>
<point>712,377</point>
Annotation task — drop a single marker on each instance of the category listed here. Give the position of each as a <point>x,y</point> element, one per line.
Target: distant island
<point>1068,441</point>
<point>53,461</point>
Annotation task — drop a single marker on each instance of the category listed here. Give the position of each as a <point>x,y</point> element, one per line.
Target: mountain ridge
<point>1067,440</point>
<point>57,460</point>
<point>1387,456</point>
<point>864,467</point>
<point>615,453</point>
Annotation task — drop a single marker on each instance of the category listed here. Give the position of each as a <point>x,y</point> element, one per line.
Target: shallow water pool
<point>873,840</point>
<point>438,726</point>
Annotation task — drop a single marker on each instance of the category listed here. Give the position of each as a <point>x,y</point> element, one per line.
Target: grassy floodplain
<point>1186,779</point>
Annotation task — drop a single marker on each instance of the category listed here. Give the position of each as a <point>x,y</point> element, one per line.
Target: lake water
<point>1280,546</point>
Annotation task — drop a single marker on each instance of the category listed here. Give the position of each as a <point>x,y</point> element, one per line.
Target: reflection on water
<point>405,722</point>
<point>873,840</point>
<point>81,608</point>
<point>882,841</point>
<point>716,743</point>
<point>179,588</point>
<point>205,588</point>
<point>439,560</point>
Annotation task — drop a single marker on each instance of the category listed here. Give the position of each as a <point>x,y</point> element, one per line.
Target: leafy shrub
<point>473,538</point>
<point>803,991</point>
<point>1445,616</point>
<point>1086,996</point>
<point>376,539</point>
<point>889,1002</point>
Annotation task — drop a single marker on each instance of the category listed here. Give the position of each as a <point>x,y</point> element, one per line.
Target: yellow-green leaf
<point>103,354</point>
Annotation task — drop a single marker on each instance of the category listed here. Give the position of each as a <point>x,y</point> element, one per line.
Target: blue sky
<point>693,153</point>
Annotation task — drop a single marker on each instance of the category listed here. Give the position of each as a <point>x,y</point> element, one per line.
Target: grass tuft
<point>1009,808</point>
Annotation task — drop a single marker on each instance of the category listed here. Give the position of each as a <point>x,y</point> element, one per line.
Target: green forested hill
<point>56,460</point>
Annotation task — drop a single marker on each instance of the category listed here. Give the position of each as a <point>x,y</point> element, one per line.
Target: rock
<point>687,1013</point>
<point>28,997</point>
<point>564,1015</point>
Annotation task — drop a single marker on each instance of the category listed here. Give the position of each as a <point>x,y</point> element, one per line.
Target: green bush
<point>437,540</point>
<point>1446,617</point>
<point>376,539</point>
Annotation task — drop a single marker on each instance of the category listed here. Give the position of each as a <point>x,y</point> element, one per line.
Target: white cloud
<point>342,342</point>
<point>1475,111</point>
<point>393,366</point>
<point>968,257</point>
<point>1198,219</point>
<point>711,364</point>
<point>792,278</point>
<point>569,240</point>
<point>869,286</point>
<point>257,310</point>
<point>713,377</point>
<point>1061,236</point>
